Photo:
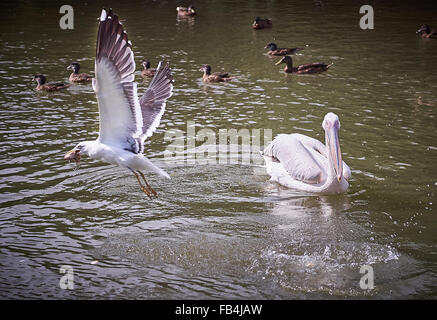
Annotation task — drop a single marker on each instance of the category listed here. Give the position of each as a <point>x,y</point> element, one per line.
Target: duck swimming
<point>214,77</point>
<point>303,68</point>
<point>76,76</point>
<point>51,86</point>
<point>275,51</point>
<point>147,72</point>
<point>261,23</point>
<point>426,32</point>
<point>186,12</point>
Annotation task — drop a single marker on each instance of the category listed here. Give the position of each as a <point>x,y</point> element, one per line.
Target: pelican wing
<point>302,157</point>
<point>125,121</point>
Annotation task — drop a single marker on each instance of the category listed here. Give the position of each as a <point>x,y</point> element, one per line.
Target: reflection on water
<point>222,231</point>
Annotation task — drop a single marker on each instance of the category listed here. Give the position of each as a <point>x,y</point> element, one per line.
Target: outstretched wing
<point>302,162</point>
<point>122,117</point>
<point>153,101</point>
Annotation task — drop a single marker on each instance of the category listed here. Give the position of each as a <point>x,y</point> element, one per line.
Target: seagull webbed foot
<point>148,190</point>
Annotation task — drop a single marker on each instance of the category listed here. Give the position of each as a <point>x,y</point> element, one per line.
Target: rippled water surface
<point>222,230</point>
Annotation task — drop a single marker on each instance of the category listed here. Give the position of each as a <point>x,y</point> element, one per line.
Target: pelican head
<point>331,125</point>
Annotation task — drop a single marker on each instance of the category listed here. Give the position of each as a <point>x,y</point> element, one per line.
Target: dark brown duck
<point>214,77</point>
<point>147,72</point>
<point>51,86</point>
<point>76,76</point>
<point>426,32</point>
<point>303,68</point>
<point>261,23</point>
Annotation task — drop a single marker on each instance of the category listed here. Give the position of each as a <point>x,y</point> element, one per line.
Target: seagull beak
<point>335,152</point>
<point>279,62</point>
<point>73,155</point>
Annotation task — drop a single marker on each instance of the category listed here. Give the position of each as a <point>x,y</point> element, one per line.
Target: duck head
<point>75,66</point>
<point>424,28</point>
<point>206,68</point>
<point>39,78</point>
<point>146,64</point>
<point>271,46</point>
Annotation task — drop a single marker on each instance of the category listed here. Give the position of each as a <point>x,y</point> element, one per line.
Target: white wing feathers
<point>300,156</point>
<point>125,121</point>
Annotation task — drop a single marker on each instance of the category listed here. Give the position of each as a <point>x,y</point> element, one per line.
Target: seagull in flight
<point>125,120</point>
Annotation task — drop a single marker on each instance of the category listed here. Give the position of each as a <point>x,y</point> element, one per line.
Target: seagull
<point>303,163</point>
<point>125,120</point>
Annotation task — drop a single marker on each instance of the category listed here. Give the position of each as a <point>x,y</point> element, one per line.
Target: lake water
<point>222,231</point>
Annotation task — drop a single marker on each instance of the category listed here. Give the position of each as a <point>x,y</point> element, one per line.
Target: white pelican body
<point>125,120</point>
<point>300,162</point>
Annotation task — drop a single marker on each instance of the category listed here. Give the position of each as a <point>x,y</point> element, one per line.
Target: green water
<point>222,230</point>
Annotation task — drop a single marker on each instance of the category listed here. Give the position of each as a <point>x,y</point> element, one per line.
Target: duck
<point>186,12</point>
<point>51,86</point>
<point>214,77</point>
<point>261,23</point>
<point>275,51</point>
<point>76,76</point>
<point>426,32</point>
<point>303,68</point>
<point>147,72</point>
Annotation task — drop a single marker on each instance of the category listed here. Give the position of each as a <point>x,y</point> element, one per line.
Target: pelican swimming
<point>300,162</point>
<point>125,120</point>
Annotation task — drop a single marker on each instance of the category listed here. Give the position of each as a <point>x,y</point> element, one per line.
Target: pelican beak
<point>279,62</point>
<point>335,152</point>
<point>73,155</point>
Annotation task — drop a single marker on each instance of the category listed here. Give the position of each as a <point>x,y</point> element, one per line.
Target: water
<point>222,231</point>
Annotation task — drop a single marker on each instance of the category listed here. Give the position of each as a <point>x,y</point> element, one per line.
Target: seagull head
<point>79,150</point>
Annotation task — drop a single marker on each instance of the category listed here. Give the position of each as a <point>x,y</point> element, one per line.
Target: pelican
<point>300,162</point>
<point>125,120</point>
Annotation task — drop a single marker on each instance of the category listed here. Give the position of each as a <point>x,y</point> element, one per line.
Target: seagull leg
<point>145,190</point>
<point>148,185</point>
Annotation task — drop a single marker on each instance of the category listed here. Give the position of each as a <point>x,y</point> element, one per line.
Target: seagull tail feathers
<point>149,165</point>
